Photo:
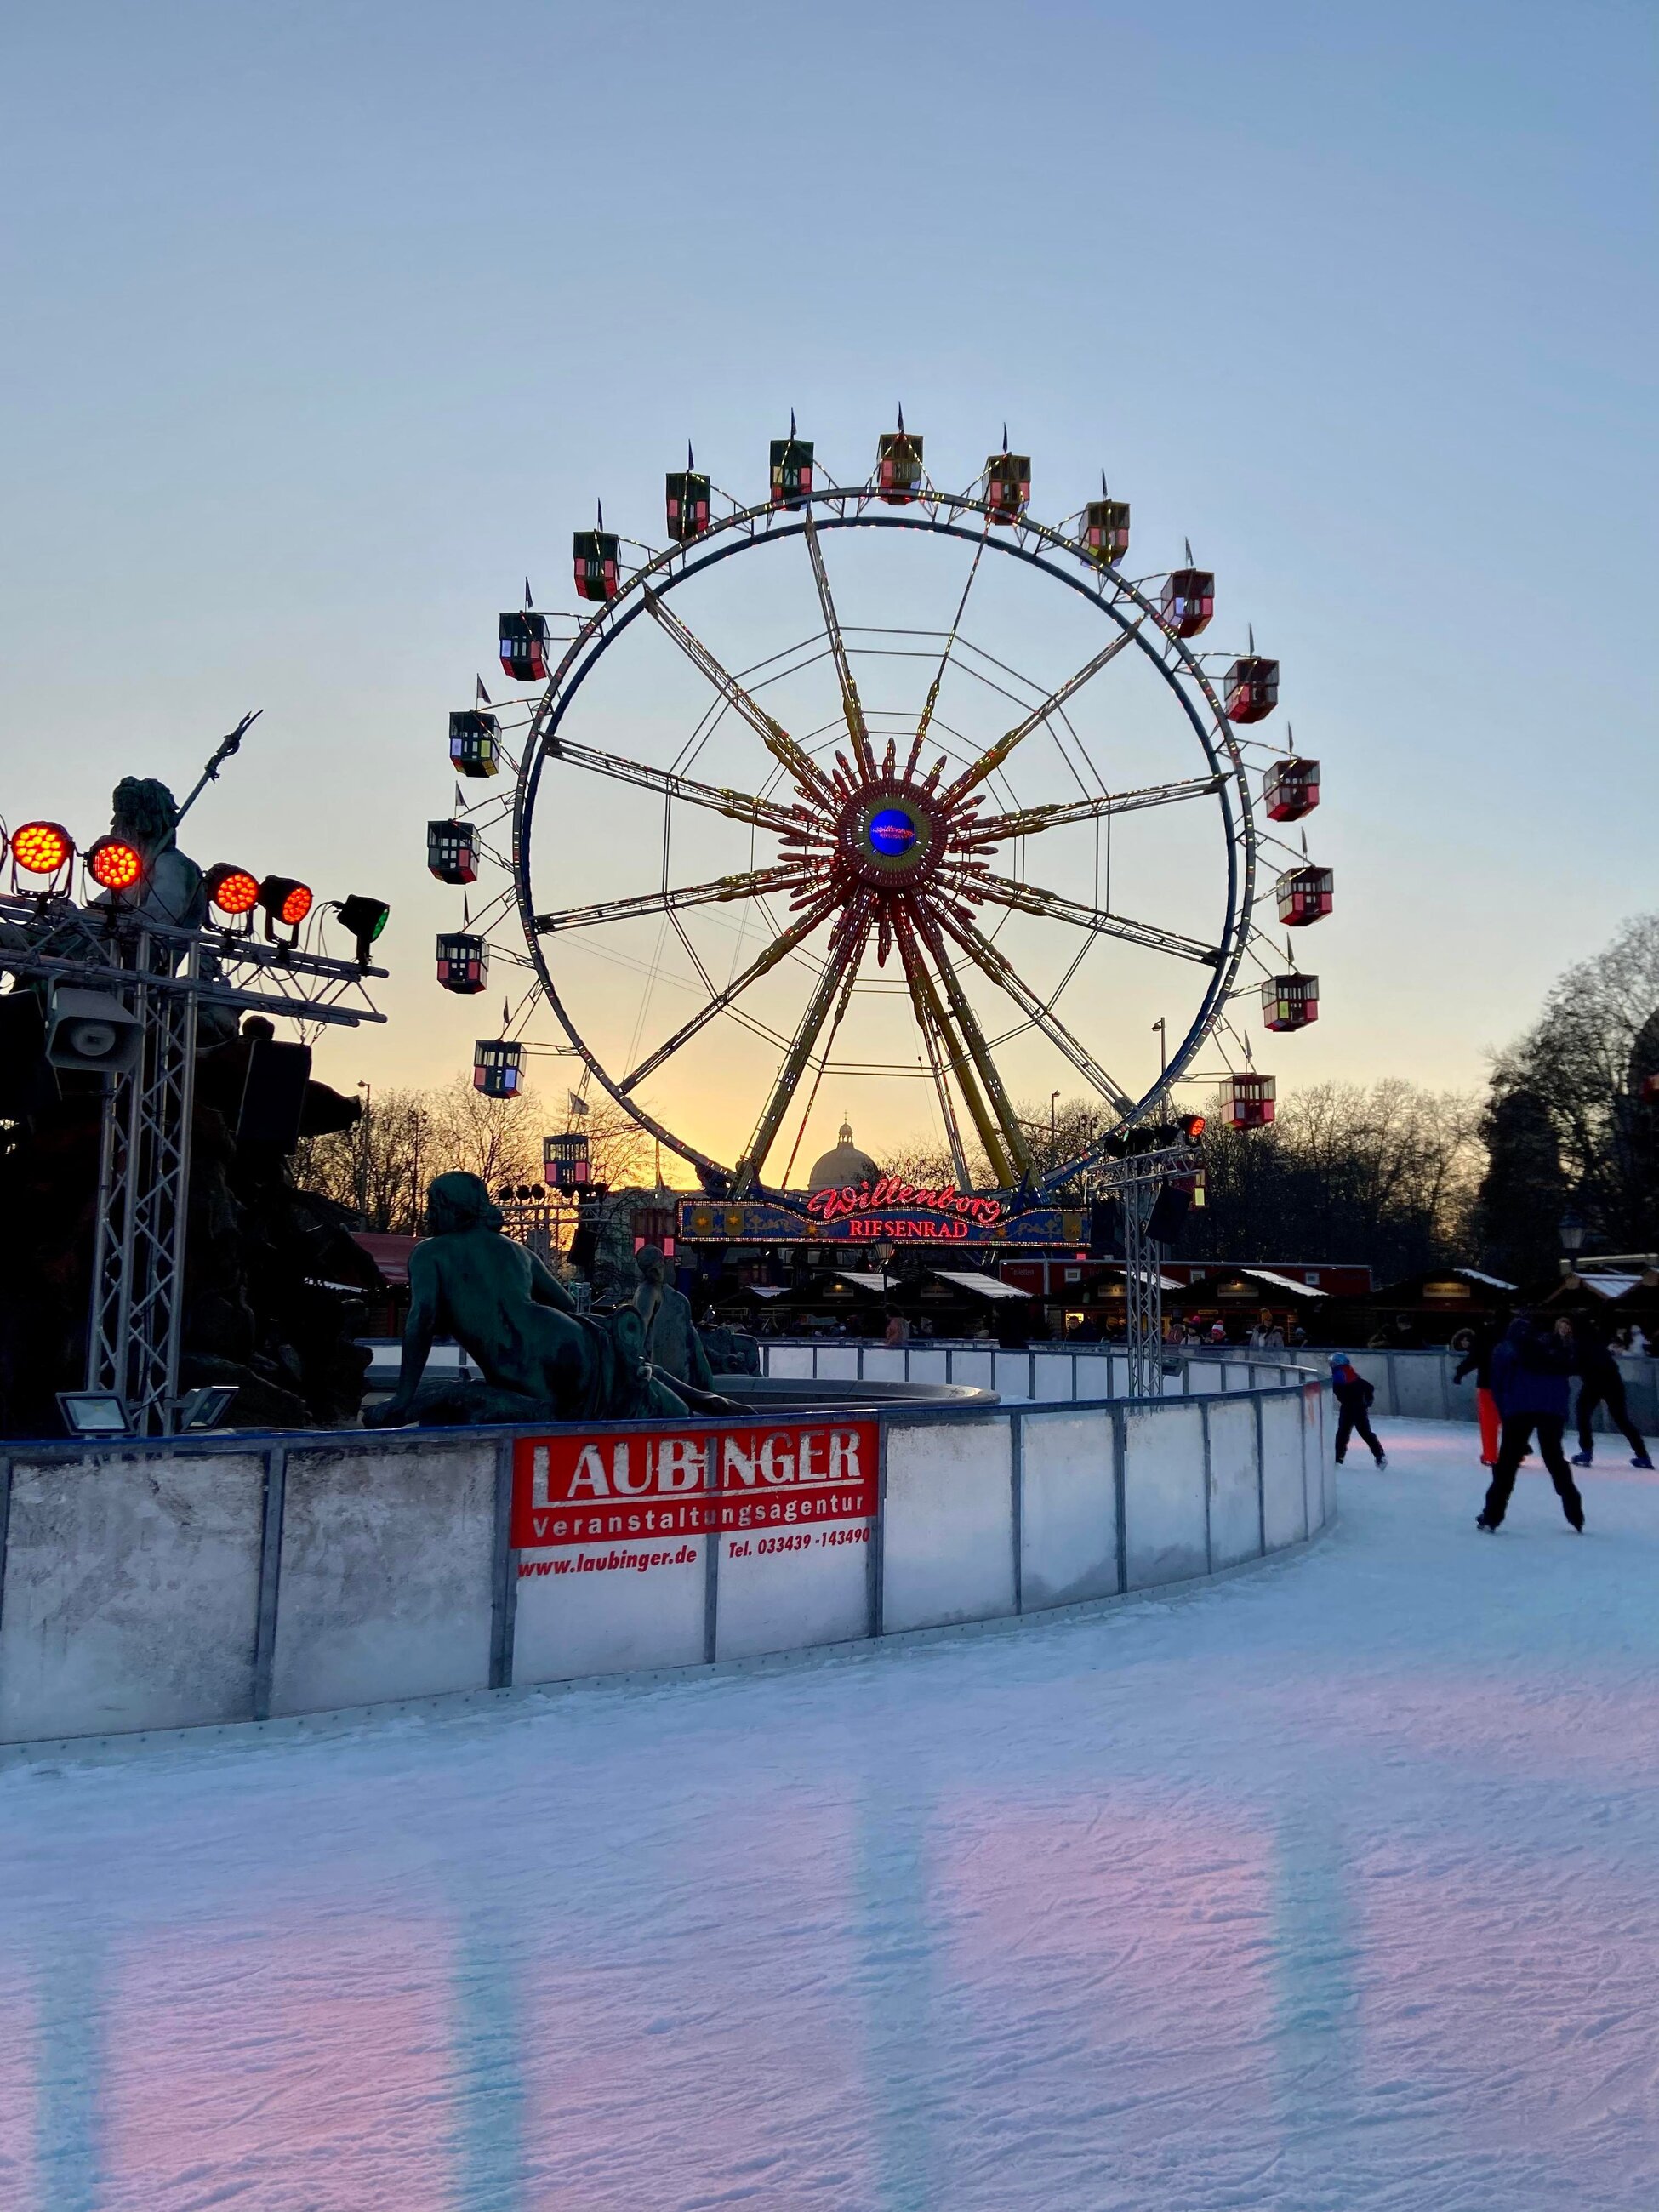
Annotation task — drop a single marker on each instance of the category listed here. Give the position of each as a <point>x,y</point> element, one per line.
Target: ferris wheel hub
<point>891,836</point>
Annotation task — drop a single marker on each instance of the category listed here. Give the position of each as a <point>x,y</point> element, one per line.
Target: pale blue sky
<point>326,323</point>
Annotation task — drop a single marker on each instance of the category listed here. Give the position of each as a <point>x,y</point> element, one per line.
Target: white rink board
<point>977,1368</point>
<point>132,1595</point>
<point>1013,1371</point>
<point>385,1589</point>
<point>837,1363</point>
<point>1163,1494</point>
<point>775,1598</point>
<point>948,1547</point>
<point>1052,1378</point>
<point>597,1619</point>
<point>1284,1500</point>
<point>1419,1390</point>
<point>1068,1509</point>
<point>1235,1494</point>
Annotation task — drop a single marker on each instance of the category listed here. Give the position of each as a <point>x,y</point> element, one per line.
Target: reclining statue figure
<point>541,1358</point>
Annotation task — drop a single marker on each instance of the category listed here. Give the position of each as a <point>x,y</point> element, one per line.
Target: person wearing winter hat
<point>1353,1395</point>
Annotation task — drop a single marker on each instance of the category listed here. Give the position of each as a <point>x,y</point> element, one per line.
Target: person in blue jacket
<point>1353,1395</point>
<point>1530,1371</point>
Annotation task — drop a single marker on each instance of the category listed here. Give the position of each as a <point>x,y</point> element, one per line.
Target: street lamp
<point>1572,1231</point>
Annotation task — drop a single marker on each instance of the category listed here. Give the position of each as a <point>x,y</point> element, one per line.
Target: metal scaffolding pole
<point>1143,1286</point>
<point>136,1320</point>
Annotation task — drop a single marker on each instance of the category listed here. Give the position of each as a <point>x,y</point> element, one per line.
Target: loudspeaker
<point>27,1084</point>
<point>93,1033</point>
<point>274,1094</point>
<point>1103,1228</point>
<point>1169,1211</point>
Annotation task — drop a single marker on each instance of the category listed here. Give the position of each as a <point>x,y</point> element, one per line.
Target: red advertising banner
<point>579,1489</point>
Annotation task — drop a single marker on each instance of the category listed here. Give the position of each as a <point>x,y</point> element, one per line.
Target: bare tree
<point>1583,1068</point>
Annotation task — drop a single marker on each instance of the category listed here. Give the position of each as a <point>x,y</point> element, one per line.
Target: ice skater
<point>1477,1361</point>
<point>1602,1384</point>
<point>1529,1373</point>
<point>1353,1395</point>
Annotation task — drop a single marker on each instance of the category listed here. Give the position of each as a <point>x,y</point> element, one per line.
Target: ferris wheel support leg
<point>1019,1164</point>
<point>930,1021</point>
<point>959,1063</point>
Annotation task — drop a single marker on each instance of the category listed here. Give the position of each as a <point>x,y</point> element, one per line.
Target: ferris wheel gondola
<point>889,852</point>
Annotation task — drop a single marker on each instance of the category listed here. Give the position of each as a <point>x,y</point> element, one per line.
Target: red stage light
<point>114,864</point>
<point>232,889</point>
<point>284,900</point>
<point>40,848</point>
<point>1191,1127</point>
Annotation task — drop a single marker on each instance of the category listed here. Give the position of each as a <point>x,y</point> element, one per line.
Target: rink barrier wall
<point>170,1583</point>
<point>1410,1385</point>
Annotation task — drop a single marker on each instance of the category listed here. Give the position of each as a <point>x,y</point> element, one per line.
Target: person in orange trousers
<point>1478,1363</point>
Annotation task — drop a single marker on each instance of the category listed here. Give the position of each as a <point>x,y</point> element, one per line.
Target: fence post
<point>1121,1454</point>
<point>271,1568</point>
<point>504,1570</point>
<point>1017,1471</point>
<point>878,1533</point>
<point>5,1524</point>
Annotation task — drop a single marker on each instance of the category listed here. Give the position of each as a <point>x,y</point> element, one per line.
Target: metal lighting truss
<point>1136,1183</point>
<point>164,976</point>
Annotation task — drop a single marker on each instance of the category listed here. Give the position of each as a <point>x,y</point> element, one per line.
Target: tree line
<point>380,1168</point>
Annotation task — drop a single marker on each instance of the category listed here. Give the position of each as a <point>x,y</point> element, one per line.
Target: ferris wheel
<point>835,791</point>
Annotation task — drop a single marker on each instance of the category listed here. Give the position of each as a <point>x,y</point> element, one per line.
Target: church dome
<point>846,1164</point>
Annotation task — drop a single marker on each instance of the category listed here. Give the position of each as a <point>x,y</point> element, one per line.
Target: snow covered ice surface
<point>1334,1886</point>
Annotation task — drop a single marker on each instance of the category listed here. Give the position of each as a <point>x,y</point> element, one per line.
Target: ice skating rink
<point>1332,1887</point>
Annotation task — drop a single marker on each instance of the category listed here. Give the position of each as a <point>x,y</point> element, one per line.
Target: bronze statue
<point>672,1343</point>
<point>541,1358</point>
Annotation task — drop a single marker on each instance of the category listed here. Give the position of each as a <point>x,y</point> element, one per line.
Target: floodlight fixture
<point>94,1413</point>
<point>284,899</point>
<point>206,1406</point>
<point>232,891</point>
<point>41,849</point>
<point>115,866</point>
<point>365,918</point>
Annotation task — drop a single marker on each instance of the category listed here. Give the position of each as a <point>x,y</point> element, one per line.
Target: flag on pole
<point>483,699</point>
<point>578,1105</point>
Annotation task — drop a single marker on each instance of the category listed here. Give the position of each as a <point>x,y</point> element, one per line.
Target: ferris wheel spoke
<point>850,977</point>
<point>757,883</point>
<point>1038,1011</point>
<point>1004,1142</point>
<point>1031,899</point>
<point>808,776</point>
<point>851,705</point>
<point>780,948</point>
<point>1032,821</point>
<point>846,947</point>
<point>992,758</point>
<point>736,806</point>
